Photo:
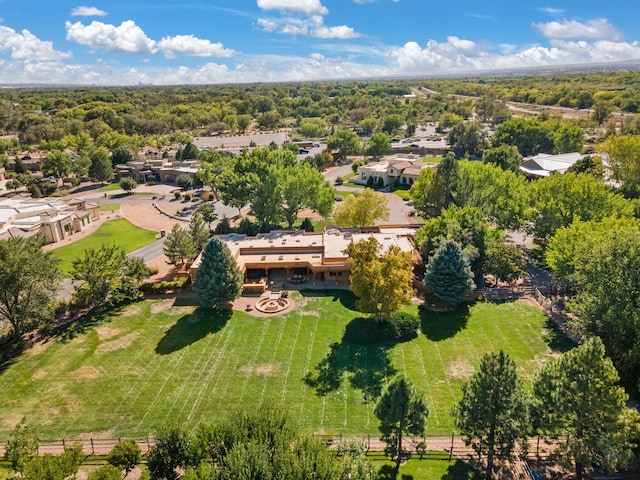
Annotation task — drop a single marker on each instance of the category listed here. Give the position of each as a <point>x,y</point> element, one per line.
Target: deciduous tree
<point>126,455</point>
<point>346,141</point>
<point>379,144</point>
<point>101,169</point>
<point>200,233</point>
<point>402,411</point>
<point>128,184</point>
<point>57,164</point>
<point>219,280</point>
<point>21,447</point>
<point>29,280</point>
<point>492,414</point>
<point>103,273</point>
<point>380,280</point>
<point>506,157</point>
<point>361,209</point>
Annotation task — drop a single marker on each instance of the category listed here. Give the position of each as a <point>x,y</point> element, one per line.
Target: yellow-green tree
<point>361,209</point>
<point>380,280</point>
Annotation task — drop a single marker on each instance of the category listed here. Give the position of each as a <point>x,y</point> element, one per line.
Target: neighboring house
<point>158,168</point>
<point>296,256</point>
<point>544,164</point>
<point>401,168</point>
<point>56,219</point>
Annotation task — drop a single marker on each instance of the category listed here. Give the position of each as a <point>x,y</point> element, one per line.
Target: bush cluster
<point>401,327</point>
<point>164,286</point>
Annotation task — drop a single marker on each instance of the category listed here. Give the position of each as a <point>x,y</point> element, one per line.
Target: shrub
<point>187,197</point>
<point>59,193</point>
<point>209,197</point>
<point>307,225</point>
<point>177,195</point>
<point>75,181</point>
<point>339,181</point>
<point>163,286</point>
<point>247,227</point>
<point>401,327</point>
<point>151,183</point>
<point>223,227</point>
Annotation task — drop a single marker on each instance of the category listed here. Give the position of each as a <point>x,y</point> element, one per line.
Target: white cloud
<point>341,31</point>
<point>307,7</point>
<point>193,46</point>
<point>311,26</point>
<point>26,47</point>
<point>598,29</point>
<point>126,38</point>
<point>87,12</point>
<point>459,55</point>
<point>554,11</point>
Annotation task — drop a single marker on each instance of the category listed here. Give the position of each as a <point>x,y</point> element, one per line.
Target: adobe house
<point>296,257</point>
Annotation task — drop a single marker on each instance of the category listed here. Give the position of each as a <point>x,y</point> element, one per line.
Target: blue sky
<point>231,41</point>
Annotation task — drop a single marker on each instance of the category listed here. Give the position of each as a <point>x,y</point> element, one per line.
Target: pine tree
<point>219,280</point>
<point>449,274</point>
<point>200,233</point>
<point>401,410</point>
<point>492,414</point>
<point>179,245</point>
<point>578,400</point>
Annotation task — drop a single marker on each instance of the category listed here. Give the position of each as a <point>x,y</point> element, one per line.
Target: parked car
<point>303,151</point>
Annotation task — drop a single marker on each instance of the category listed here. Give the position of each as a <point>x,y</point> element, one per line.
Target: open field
<point>156,362</point>
<point>119,231</point>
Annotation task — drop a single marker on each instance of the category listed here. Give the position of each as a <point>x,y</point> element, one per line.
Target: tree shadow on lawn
<point>345,297</point>
<point>70,329</point>
<point>366,364</point>
<point>439,326</point>
<point>556,338</point>
<point>191,328</point>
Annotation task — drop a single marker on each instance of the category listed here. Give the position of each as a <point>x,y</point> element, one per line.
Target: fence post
<point>451,451</point>
<point>64,446</point>
<point>93,450</point>
<point>148,445</point>
<point>368,442</point>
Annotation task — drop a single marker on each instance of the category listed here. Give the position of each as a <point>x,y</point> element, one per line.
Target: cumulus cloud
<point>460,55</point>
<point>26,47</point>
<point>306,7</point>
<point>599,29</point>
<point>193,46</point>
<point>341,31</point>
<point>87,12</point>
<point>125,38</point>
<point>312,26</point>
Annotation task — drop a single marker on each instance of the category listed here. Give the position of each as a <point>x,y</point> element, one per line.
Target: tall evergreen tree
<point>199,231</point>
<point>492,414</point>
<point>578,400</point>
<point>449,274</point>
<point>179,245</point>
<point>401,410</point>
<point>219,280</point>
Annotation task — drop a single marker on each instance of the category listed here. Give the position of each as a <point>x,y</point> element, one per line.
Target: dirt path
<point>146,216</point>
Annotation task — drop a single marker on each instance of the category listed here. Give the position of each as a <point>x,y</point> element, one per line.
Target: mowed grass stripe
<point>147,364</point>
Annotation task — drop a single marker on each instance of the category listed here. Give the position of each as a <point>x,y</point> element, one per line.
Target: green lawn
<point>119,231</point>
<point>156,362</point>
<point>109,207</point>
<point>110,187</point>
<point>433,466</point>
<point>403,193</point>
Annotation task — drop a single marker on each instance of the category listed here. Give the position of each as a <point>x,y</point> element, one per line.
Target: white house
<point>544,164</point>
<point>403,168</point>
<point>56,219</point>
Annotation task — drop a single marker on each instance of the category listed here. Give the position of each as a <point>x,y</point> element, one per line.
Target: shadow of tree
<point>191,328</point>
<point>84,323</point>
<point>461,471</point>
<point>366,367</point>
<point>10,350</point>
<point>387,472</point>
<point>345,297</point>
<point>439,326</point>
<point>556,339</point>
